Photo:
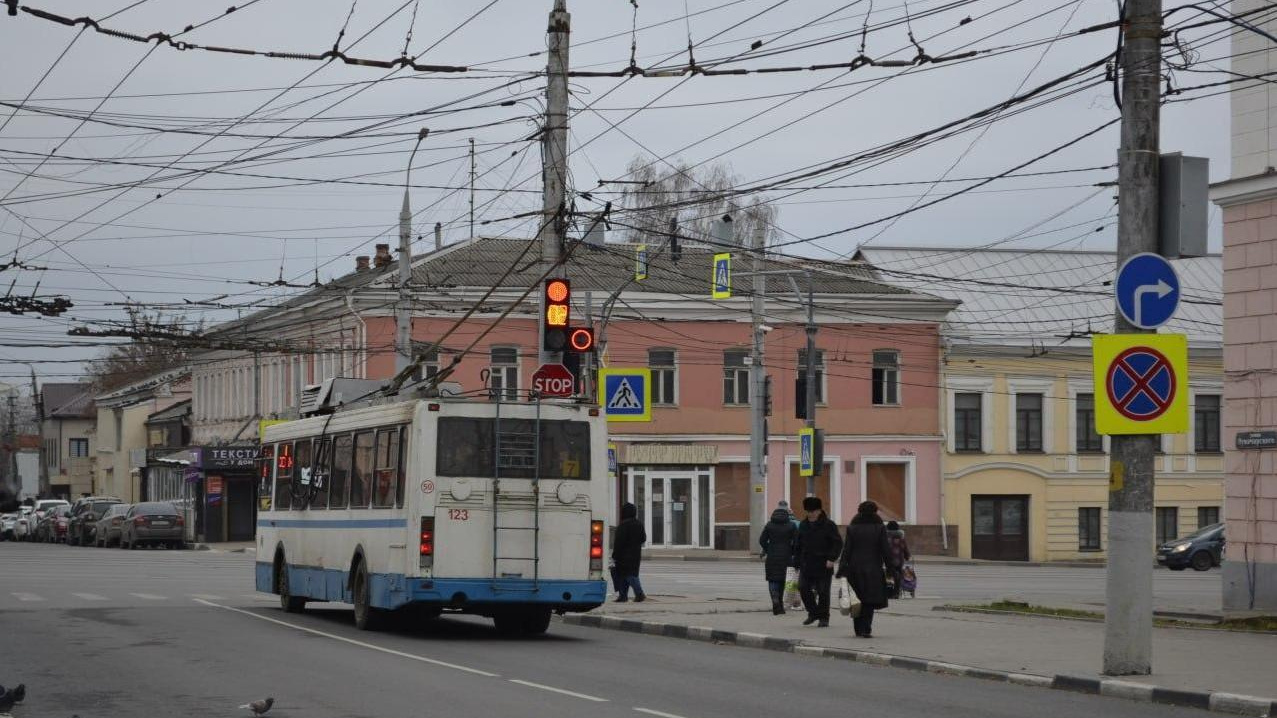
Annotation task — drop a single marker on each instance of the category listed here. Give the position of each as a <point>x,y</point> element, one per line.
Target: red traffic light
<point>556,290</point>
<point>581,339</point>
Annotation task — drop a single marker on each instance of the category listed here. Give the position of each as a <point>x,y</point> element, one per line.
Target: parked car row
<point>97,521</point>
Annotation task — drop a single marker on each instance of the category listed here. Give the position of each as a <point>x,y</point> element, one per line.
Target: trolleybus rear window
<point>473,447</point>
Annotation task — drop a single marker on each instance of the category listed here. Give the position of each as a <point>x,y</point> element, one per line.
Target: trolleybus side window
<point>387,473</point>
<point>301,469</point>
<point>466,448</point>
<point>266,480</point>
<point>342,448</point>
<point>401,461</point>
<point>361,479</point>
<point>284,476</point>
<point>321,468</point>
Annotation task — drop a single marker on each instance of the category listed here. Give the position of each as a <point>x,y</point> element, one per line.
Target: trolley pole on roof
<point>1128,610</point>
<point>554,158</point>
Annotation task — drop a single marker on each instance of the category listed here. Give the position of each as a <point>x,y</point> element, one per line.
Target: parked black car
<point>1201,549</point>
<point>157,523</point>
<point>85,515</point>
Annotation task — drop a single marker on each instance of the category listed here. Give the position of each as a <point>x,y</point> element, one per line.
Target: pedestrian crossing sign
<point>722,280</point>
<point>806,452</point>
<point>627,394</point>
<point>640,263</point>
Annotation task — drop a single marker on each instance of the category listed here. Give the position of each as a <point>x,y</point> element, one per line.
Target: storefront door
<point>1000,528</point>
<point>674,507</point>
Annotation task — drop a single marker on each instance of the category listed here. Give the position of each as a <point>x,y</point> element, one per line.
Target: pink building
<point>1249,202</point>
<point>688,469</point>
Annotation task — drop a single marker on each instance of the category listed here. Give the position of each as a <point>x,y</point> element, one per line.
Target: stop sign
<point>553,380</point>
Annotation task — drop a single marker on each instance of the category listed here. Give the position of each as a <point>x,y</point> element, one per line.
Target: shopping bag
<point>791,598</point>
<point>848,602</point>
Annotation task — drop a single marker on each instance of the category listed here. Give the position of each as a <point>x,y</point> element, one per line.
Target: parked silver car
<point>153,522</point>
<point>108,530</point>
<point>7,522</point>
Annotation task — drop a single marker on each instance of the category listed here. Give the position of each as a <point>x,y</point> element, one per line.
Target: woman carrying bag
<point>866,556</point>
<point>777,541</point>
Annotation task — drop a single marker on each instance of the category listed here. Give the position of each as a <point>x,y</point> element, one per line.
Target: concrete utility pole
<point>1128,614</point>
<point>757,390</point>
<point>472,179</point>
<point>12,438</point>
<point>554,156</point>
<point>39,418</point>
<point>403,311</point>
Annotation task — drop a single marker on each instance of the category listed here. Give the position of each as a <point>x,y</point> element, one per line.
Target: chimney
<point>438,235</point>
<point>382,257</point>
<point>361,263</point>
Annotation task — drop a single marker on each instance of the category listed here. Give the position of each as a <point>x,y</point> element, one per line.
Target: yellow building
<point>1025,474</point>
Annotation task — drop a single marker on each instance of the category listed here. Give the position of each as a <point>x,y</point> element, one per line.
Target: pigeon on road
<point>9,697</point>
<point>259,708</point>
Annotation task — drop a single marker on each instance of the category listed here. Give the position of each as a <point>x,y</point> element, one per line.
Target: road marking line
<point>149,596</point>
<point>206,596</point>
<point>89,596</point>
<point>26,596</point>
<point>353,642</point>
<point>552,689</point>
<point>651,712</point>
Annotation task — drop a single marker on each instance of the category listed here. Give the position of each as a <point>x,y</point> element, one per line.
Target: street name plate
<point>1257,439</point>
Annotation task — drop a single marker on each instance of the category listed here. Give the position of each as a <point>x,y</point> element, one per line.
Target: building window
<point>1028,422</point>
<point>503,381</point>
<point>78,448</point>
<point>968,424</point>
<point>735,377</point>
<point>820,375</point>
<point>1088,440</point>
<point>1207,516</point>
<point>664,376</point>
<point>1206,427</point>
<point>430,361</point>
<point>886,378</point>
<point>1088,528</point>
<point>1167,523</point>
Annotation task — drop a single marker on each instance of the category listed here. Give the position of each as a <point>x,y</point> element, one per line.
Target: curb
<point>710,556</point>
<point>1205,700</point>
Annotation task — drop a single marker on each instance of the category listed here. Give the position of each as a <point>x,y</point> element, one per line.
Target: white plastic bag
<point>848,602</point>
<point>792,599</point>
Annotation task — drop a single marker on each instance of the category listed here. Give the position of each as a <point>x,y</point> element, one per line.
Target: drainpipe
<point>944,444</point>
<point>363,330</point>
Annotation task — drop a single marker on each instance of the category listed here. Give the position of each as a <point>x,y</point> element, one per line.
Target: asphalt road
<point>101,633</point>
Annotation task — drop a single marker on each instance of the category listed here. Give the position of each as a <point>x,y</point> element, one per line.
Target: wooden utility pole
<point>1128,614</point>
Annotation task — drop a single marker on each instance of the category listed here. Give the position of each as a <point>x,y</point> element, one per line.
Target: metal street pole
<point>403,312</point>
<point>1128,614</point>
<point>811,379</point>
<point>757,389</point>
<point>554,156</point>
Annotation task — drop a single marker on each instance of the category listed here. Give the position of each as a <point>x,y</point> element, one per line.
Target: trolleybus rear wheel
<point>367,618</point>
<point>287,601</point>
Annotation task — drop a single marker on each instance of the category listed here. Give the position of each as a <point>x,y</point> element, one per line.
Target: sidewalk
<point>1195,661</point>
<point>684,554</point>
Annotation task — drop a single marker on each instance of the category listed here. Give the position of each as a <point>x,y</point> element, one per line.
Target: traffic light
<point>558,295</point>
<point>580,340</point>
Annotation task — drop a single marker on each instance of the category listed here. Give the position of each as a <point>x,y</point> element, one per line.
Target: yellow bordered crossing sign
<point>722,279</point>
<point>1141,383</point>
<point>626,394</point>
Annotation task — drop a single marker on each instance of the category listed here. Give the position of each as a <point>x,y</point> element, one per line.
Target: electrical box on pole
<point>1183,205</point>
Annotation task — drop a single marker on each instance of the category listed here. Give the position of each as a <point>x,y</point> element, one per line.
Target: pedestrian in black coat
<point>818,548</point>
<point>865,557</point>
<point>778,540</point>
<point>627,553</point>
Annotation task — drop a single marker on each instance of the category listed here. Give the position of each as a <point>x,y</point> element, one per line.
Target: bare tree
<point>695,196</point>
<point>154,348</point>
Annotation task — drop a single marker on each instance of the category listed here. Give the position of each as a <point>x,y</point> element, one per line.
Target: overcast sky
<point>201,236</point>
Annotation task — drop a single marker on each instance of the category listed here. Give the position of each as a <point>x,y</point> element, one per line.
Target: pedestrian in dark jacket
<point>778,539</point>
<point>818,548</point>
<point>627,552</point>
<point>899,554</point>
<point>865,556</point>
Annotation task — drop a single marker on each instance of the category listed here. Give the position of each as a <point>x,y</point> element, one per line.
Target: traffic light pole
<point>554,158</point>
<point>1128,612</point>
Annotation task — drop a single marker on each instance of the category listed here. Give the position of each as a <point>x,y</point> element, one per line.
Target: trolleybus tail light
<point>427,541</point>
<point>596,545</point>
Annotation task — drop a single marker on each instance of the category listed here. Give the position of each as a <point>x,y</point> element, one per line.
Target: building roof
<point>68,400</point>
<point>151,382</point>
<point>481,262</point>
<point>177,411</point>
<point>1043,298</point>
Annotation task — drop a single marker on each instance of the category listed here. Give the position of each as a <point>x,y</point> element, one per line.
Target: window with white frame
<point>503,379</point>
<point>820,374</point>
<point>78,448</point>
<point>735,377</point>
<point>886,377</point>
<point>664,376</point>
